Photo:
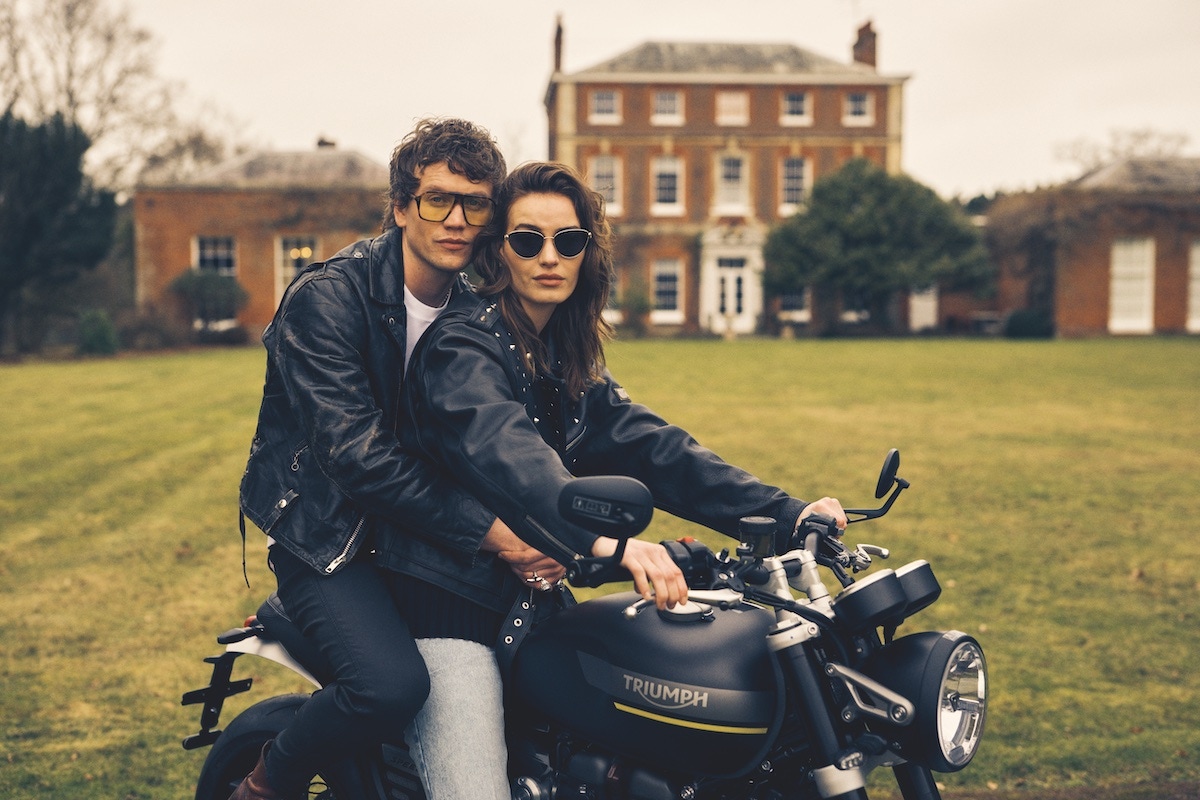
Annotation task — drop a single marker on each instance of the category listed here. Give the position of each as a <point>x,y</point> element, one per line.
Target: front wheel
<point>237,749</point>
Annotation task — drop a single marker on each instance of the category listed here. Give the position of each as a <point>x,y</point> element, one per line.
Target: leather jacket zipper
<point>341,557</point>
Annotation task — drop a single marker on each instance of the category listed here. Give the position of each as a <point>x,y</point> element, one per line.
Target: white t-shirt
<point>420,317</point>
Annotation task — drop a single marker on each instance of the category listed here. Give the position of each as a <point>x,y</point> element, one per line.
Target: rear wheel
<point>237,749</point>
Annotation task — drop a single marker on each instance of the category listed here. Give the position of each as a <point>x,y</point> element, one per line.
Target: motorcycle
<point>763,686</point>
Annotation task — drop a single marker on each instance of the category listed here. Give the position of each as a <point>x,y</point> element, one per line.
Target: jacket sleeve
<point>466,417</point>
<point>318,349</point>
<point>686,479</point>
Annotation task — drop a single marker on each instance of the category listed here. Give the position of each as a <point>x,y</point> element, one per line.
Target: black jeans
<point>380,678</point>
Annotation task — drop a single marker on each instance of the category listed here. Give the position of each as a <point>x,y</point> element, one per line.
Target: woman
<point>509,393</point>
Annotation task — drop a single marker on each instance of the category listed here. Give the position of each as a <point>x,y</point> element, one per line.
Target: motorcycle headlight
<point>944,675</point>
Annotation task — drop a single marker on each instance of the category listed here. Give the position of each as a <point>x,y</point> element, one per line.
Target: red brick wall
<point>167,222</point>
<point>1084,226</point>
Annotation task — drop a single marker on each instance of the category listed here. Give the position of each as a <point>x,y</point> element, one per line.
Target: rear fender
<point>272,651</point>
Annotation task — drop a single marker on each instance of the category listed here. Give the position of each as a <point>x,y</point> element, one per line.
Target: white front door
<point>732,289</point>
<point>731,266</point>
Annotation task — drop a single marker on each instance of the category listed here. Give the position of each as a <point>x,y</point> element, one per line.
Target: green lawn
<point>1055,491</point>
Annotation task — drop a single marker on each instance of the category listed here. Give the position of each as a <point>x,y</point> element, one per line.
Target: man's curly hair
<point>466,148</point>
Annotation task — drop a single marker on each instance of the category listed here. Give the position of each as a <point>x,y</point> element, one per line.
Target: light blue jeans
<point>457,739</point>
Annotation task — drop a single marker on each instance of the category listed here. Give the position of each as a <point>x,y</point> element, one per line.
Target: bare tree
<point>95,67</point>
<point>1122,144</point>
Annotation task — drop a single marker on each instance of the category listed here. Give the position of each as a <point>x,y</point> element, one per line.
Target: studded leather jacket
<point>513,440</point>
<point>327,470</point>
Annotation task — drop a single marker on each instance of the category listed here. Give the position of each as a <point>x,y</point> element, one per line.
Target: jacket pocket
<point>269,491</point>
<point>282,506</point>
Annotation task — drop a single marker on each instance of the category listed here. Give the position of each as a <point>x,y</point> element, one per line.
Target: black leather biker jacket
<point>326,468</point>
<point>513,441</point>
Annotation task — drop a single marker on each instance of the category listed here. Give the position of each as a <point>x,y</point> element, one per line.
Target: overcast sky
<point>994,85</point>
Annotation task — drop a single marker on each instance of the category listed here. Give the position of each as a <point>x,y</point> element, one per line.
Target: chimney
<point>864,46</point>
<point>558,39</point>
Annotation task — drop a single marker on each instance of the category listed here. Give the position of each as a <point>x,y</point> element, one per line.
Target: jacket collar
<point>385,268</point>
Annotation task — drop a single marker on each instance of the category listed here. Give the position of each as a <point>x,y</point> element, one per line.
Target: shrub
<point>211,298</point>
<point>97,334</point>
<point>635,309</point>
<point>1029,323</point>
<point>150,330</point>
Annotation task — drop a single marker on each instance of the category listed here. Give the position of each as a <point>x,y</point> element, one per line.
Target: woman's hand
<point>651,567</point>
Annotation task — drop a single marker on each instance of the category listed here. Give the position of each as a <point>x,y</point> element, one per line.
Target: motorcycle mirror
<point>887,475</point>
<point>609,505</point>
<point>887,480</point>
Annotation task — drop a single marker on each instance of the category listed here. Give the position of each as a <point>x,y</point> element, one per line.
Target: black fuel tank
<point>697,694</point>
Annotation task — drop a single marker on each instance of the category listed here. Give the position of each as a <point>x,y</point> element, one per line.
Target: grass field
<point>1056,492</point>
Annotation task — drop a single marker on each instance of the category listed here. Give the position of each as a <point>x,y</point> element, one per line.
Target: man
<point>327,476</point>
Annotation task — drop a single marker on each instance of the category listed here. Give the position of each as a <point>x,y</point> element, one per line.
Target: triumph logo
<point>665,695</point>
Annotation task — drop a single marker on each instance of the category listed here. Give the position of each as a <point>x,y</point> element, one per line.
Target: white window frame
<point>222,248</point>
<point>666,268</point>
<point>731,198</point>
<point>786,208</point>
<point>286,262</point>
<point>601,113</point>
<point>660,115</point>
<point>219,248</point>
<point>856,114</point>
<point>605,175</point>
<point>733,108</point>
<point>1131,286</point>
<point>923,309</point>
<point>790,120</point>
<point>666,165</point>
<point>802,312</point>
<point>1193,309</point>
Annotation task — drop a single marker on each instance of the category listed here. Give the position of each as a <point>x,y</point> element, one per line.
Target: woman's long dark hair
<point>577,325</point>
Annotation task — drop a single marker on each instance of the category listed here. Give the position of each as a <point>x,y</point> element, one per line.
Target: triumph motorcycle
<point>763,686</point>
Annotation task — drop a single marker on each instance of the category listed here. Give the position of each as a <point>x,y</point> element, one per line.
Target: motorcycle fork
<point>839,776</point>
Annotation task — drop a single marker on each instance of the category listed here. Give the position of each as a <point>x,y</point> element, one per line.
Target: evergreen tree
<point>867,235</point>
<point>54,223</point>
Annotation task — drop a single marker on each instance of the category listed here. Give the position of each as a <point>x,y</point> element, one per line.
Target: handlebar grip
<point>819,523</point>
<point>693,558</point>
<point>596,571</point>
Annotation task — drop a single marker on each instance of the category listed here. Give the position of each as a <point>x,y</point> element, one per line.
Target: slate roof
<point>1173,175</point>
<point>323,168</point>
<point>712,58</point>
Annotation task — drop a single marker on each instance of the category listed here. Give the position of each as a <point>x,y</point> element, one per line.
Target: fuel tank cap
<point>687,612</point>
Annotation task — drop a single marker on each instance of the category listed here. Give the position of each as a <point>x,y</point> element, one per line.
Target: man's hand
<point>528,563</point>
<point>651,566</point>
<point>829,506</point>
